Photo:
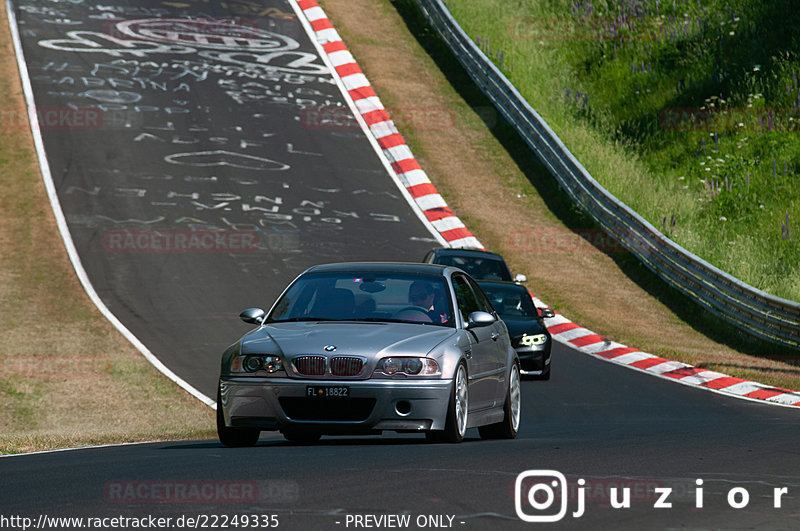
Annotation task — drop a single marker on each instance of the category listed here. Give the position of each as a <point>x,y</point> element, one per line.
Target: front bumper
<point>534,360</point>
<point>374,405</point>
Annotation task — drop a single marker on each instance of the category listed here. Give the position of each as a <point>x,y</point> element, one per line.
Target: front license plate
<point>328,391</point>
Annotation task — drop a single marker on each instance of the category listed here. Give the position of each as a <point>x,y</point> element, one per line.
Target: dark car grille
<point>334,409</point>
<point>310,365</point>
<point>346,366</point>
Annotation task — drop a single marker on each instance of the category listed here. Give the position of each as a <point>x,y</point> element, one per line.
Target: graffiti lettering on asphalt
<point>221,157</point>
<point>94,42</point>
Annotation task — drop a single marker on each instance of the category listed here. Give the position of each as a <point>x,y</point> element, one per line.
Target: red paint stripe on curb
<point>649,362</point>
<point>438,213</point>
<point>722,383</point>
<point>763,394</point>
<point>334,46</point>
<point>402,166</point>
<point>561,328</point>
<point>307,4</point>
<point>348,69</point>
<point>683,372</point>
<point>616,352</point>
<point>391,141</point>
<point>456,234</point>
<point>421,189</point>
<point>361,93</point>
<point>376,117</point>
<point>321,24</point>
<point>590,339</point>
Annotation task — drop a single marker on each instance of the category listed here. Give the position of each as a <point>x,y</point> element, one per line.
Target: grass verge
<point>67,378</point>
<point>686,111</point>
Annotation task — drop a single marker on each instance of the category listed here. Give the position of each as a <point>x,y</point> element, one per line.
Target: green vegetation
<point>686,110</point>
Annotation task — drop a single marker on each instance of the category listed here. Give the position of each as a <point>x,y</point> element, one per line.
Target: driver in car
<point>422,294</point>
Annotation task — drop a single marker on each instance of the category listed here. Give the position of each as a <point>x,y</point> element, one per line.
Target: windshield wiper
<point>301,319</point>
<point>390,320</point>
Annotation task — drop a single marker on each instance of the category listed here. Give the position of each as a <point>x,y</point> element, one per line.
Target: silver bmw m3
<point>359,348</point>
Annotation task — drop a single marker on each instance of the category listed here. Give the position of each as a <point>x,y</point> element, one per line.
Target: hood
<point>519,326</point>
<point>372,340</point>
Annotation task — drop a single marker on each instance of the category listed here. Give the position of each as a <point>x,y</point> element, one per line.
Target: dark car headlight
<point>531,340</point>
<point>254,363</point>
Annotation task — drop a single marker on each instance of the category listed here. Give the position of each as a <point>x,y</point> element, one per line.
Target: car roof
<point>378,267</point>
<point>473,253</point>
<point>501,284</point>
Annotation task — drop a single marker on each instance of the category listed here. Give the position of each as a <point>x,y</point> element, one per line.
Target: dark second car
<point>480,264</point>
<point>525,323</point>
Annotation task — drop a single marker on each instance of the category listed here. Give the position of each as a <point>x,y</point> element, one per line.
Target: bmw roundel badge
<point>329,348</point>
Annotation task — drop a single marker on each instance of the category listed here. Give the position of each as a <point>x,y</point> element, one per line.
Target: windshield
<point>479,268</point>
<point>366,296</point>
<point>510,301</point>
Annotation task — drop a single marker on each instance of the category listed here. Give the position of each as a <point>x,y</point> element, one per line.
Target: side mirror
<point>253,316</point>
<point>477,319</point>
<point>519,277</point>
<point>546,313</point>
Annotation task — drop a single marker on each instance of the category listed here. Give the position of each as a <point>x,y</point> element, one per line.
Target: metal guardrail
<point>752,310</point>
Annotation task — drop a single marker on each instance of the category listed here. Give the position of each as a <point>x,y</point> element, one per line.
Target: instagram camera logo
<point>540,495</point>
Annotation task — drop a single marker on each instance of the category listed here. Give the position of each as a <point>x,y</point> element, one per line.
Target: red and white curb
<point>444,220</point>
<point>565,331</point>
<point>382,128</point>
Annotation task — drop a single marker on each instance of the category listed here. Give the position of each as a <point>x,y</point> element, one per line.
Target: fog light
<point>403,407</point>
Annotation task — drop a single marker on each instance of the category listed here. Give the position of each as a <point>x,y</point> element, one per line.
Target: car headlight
<point>529,341</point>
<point>250,364</point>
<point>409,366</point>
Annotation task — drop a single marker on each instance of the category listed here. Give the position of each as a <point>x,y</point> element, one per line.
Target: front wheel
<point>234,437</point>
<point>455,426</point>
<point>508,427</point>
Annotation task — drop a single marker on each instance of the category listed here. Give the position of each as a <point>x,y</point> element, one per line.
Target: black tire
<point>234,437</point>
<point>457,411</point>
<point>301,436</point>
<point>508,427</point>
